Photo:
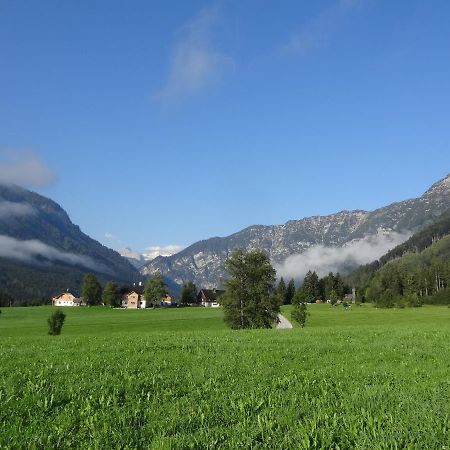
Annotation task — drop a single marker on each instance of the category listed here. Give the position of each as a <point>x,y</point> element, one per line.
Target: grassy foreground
<point>163,379</point>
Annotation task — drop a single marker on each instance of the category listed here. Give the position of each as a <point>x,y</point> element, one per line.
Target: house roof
<point>62,293</point>
<point>209,294</point>
<point>129,289</point>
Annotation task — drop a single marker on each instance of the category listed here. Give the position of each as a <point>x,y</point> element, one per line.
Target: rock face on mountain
<point>203,262</point>
<point>41,250</point>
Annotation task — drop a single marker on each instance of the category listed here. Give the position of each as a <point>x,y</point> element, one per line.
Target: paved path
<point>283,322</point>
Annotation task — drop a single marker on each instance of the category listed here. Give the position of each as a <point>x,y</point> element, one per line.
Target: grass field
<point>176,378</point>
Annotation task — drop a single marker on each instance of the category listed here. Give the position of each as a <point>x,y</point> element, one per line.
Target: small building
<point>166,301</point>
<point>209,297</point>
<point>66,299</point>
<point>133,297</point>
<point>351,297</point>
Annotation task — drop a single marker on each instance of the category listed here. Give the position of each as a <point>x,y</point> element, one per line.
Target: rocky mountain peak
<point>203,262</point>
<point>441,187</point>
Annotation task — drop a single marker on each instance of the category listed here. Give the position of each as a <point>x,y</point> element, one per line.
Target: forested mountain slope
<point>42,251</point>
<point>419,267</point>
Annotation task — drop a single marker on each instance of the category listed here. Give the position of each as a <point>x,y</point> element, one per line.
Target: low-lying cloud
<point>324,259</point>
<point>31,250</point>
<point>14,209</point>
<point>24,168</point>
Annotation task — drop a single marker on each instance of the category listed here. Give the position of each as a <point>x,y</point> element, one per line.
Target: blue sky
<point>170,122</point>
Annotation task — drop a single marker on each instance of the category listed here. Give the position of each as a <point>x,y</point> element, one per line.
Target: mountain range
<point>360,236</point>
<point>42,251</point>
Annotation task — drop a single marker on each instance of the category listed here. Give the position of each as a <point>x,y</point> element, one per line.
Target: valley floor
<point>176,378</point>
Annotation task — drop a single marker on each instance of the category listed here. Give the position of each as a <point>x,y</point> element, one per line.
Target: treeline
<point>331,287</point>
<point>413,279</point>
<point>93,293</point>
<point>413,273</point>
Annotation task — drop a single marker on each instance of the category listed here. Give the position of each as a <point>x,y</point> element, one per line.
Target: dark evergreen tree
<point>290,292</point>
<point>250,300</point>
<point>91,290</point>
<point>188,293</point>
<point>339,286</point>
<point>281,291</point>
<point>309,291</point>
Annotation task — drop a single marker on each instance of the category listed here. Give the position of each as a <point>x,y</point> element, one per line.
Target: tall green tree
<point>250,300</point>
<point>111,295</point>
<point>290,292</point>
<point>281,291</point>
<point>91,290</point>
<point>188,293</point>
<point>329,283</point>
<point>155,290</point>
<point>339,286</point>
<point>310,290</point>
<point>299,313</point>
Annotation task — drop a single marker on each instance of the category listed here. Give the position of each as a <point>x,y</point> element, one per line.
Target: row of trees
<point>93,293</point>
<point>331,287</point>
<point>154,290</point>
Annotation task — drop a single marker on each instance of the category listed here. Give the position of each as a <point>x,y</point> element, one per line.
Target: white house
<point>66,299</point>
<point>209,297</point>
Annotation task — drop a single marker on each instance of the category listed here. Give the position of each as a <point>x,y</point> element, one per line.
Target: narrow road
<point>283,322</point>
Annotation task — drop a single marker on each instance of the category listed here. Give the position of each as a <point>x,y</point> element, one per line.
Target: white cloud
<point>24,168</point>
<point>30,250</point>
<point>128,253</point>
<point>333,259</point>
<point>318,31</point>
<point>109,235</point>
<point>14,209</point>
<point>194,63</point>
<point>155,250</point>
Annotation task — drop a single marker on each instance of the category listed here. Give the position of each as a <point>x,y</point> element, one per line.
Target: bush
<point>413,300</point>
<point>56,322</point>
<point>385,300</point>
<point>440,298</point>
<point>299,313</point>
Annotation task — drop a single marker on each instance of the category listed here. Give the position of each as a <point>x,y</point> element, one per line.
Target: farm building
<point>209,297</point>
<point>133,297</point>
<point>166,301</point>
<point>66,299</point>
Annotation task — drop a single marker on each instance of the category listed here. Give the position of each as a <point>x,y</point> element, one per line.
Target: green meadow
<point>178,379</point>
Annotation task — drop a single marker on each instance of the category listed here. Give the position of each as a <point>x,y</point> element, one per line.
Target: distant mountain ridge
<point>39,245</point>
<point>203,261</point>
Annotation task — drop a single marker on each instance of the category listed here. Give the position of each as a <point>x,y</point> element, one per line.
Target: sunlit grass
<point>363,378</point>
